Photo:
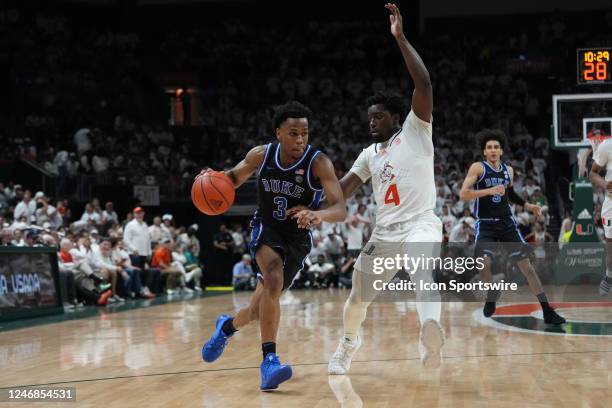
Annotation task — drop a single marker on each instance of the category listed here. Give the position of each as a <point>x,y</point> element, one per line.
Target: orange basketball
<point>213,193</point>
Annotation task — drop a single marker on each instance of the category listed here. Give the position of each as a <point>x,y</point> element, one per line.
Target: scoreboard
<point>594,66</point>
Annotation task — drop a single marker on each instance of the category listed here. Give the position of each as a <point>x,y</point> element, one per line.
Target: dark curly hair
<point>291,109</point>
<point>391,101</point>
<point>487,135</point>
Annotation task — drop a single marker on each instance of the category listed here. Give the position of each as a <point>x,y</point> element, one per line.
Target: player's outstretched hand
<point>203,172</point>
<point>534,208</point>
<point>307,218</point>
<point>395,18</point>
<point>497,190</point>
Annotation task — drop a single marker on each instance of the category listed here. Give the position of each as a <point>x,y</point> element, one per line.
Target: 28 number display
<point>594,65</point>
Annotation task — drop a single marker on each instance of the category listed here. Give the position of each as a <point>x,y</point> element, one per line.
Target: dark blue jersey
<point>279,189</point>
<point>496,206</point>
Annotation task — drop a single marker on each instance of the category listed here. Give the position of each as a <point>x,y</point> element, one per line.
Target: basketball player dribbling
<point>400,163</point>
<point>290,173</point>
<point>489,184</point>
<point>602,161</point>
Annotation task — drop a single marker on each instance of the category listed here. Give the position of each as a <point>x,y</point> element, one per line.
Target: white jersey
<point>603,158</point>
<point>402,172</point>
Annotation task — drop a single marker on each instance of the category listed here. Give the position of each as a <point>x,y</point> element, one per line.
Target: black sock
<point>493,295</point>
<point>228,327</point>
<point>269,347</point>
<point>544,302</point>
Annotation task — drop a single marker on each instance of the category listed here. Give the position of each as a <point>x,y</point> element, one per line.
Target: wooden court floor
<point>151,358</point>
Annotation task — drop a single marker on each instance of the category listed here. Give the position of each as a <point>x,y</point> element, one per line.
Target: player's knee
<point>273,281</point>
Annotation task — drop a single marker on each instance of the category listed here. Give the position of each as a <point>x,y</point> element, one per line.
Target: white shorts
<point>420,237</point>
<point>388,241</point>
<point>606,217</point>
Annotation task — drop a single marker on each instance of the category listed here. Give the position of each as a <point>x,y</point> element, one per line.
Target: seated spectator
<point>463,231</point>
<point>129,274</point>
<point>162,260</point>
<point>23,209</point>
<point>242,275</point>
<point>167,228</point>
<point>322,273</point>
<point>109,214</point>
<point>83,276</point>
<point>7,237</point>
<point>192,271</point>
<point>155,232</point>
<point>45,212</point>
<point>103,264</point>
<point>90,215</point>
<point>334,246</point>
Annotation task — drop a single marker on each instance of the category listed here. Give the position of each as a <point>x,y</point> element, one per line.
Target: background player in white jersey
<point>400,164</point>
<point>603,161</point>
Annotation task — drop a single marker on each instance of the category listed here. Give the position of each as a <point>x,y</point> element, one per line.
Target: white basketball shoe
<point>341,360</point>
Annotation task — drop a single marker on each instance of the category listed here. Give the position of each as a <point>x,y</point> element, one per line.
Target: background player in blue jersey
<point>489,183</point>
<point>290,173</point>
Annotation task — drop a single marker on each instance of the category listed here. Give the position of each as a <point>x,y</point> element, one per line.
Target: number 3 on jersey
<point>280,213</point>
<point>391,196</point>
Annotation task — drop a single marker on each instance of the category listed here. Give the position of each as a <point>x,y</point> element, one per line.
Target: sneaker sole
<point>280,377</point>
<point>432,338</point>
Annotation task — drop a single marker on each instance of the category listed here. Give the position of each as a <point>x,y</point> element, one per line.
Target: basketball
<point>213,193</point>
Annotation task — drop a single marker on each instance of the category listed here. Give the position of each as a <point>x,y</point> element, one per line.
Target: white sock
<point>355,309</point>
<point>429,310</point>
<point>609,273</point>
<point>354,315</point>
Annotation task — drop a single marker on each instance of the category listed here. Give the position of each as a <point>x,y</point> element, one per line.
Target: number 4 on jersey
<point>391,196</point>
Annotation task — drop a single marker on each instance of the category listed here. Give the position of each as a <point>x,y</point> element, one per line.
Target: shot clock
<point>594,65</point>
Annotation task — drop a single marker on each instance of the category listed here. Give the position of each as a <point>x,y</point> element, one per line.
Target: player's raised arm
<point>467,193</point>
<point>422,97</point>
<point>245,168</point>
<point>323,169</point>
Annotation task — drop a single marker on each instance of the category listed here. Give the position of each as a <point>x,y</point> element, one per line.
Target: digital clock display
<point>594,65</point>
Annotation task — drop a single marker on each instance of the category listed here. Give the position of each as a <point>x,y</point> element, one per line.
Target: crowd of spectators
<point>92,107</point>
<point>103,258</point>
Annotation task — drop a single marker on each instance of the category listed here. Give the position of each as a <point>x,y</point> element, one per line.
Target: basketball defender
<point>400,164</point>
<point>289,173</point>
<point>603,162</point>
<point>489,183</point>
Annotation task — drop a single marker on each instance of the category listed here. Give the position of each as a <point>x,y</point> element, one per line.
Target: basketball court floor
<point>151,357</point>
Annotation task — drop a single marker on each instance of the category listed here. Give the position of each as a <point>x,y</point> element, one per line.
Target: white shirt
<point>112,216</point>
<point>94,216</point>
<point>155,233</point>
<point>101,261</point>
<point>136,237</point>
<point>354,236</point>
<point>402,173</point>
<point>603,158</point>
<point>325,268</point>
<point>459,233</point>
<point>449,221</point>
<point>22,209</point>
<point>333,246</point>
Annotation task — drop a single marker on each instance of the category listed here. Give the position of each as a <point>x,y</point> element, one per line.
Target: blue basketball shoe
<point>273,372</point>
<point>213,348</point>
